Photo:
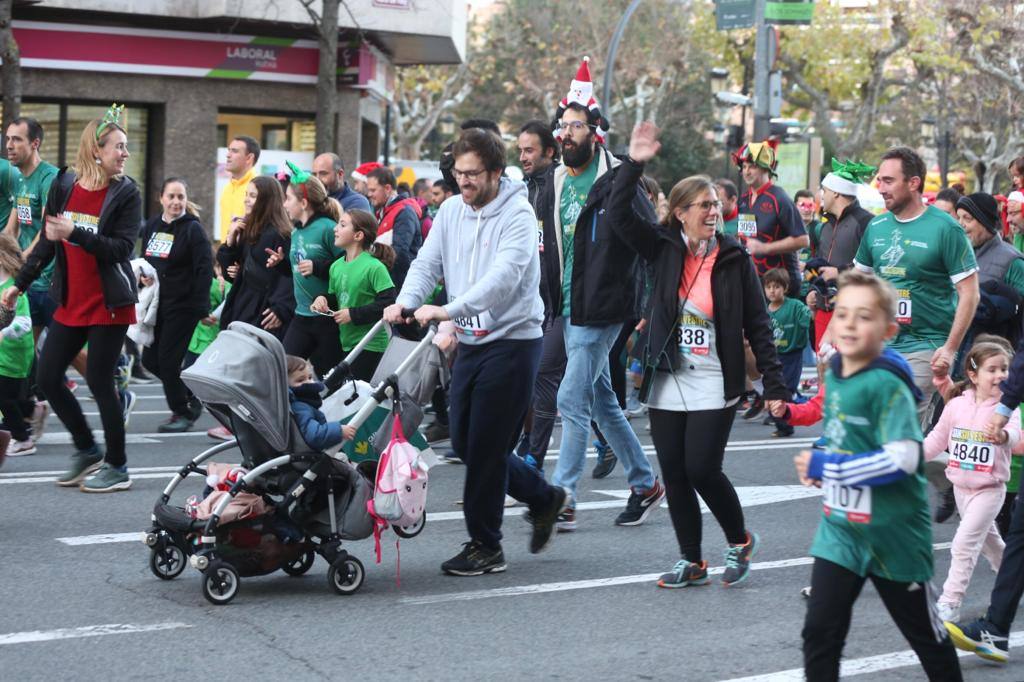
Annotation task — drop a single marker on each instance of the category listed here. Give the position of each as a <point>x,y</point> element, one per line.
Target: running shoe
<point>640,505</point>
<point>195,409</point>
<point>544,520</point>
<point>981,638</point>
<point>123,371</point>
<point>83,463</point>
<point>38,420</point>
<point>436,432</point>
<point>140,375</point>
<point>108,479</point>
<point>176,424</point>
<point>737,560</point>
<point>5,440</point>
<point>756,406</point>
<point>805,592</point>
<point>475,559</point>
<point>606,460</point>
<point>566,522</point>
<point>21,448</point>
<point>220,433</point>
<point>71,385</point>
<point>783,431</point>
<point>684,574</point>
<point>128,400</point>
<point>450,457</point>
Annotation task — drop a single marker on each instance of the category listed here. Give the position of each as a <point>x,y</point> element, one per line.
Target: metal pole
<point>613,47</point>
<point>387,135</point>
<point>944,169</point>
<point>763,55</point>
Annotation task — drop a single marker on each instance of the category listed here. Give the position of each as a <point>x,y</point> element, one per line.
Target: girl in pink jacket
<point>978,467</point>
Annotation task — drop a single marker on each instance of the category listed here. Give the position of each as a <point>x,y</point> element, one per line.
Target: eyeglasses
<point>575,126</point>
<point>469,175</point>
<point>706,205</point>
<point>809,205</point>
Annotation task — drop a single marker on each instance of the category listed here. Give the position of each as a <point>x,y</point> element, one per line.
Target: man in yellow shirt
<point>243,153</point>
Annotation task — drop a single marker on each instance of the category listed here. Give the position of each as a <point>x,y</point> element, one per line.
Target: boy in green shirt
<point>875,522</point>
<point>790,322</point>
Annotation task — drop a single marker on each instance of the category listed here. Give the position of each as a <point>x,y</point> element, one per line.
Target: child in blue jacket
<point>305,401</point>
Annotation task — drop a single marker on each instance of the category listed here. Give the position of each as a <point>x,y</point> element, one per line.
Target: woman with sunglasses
<point>706,299</point>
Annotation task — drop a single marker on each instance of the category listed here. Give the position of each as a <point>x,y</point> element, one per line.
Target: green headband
<point>112,117</point>
<point>299,176</point>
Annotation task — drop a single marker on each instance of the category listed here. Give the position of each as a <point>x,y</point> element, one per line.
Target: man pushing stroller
<point>484,245</point>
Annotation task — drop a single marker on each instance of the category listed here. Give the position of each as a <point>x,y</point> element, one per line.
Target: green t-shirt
<point>921,258</point>
<point>1015,276</point>
<point>789,325</point>
<point>30,200</point>
<point>575,190</point>
<point>16,354</point>
<point>357,283</point>
<point>885,530</point>
<point>731,227</point>
<point>315,241</point>
<point>204,334</point>
<point>10,178</point>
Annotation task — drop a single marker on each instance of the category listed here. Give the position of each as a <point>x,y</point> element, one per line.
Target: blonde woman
<point>92,220</point>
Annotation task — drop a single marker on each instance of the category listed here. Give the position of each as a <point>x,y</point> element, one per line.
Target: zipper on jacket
<point>593,227</point>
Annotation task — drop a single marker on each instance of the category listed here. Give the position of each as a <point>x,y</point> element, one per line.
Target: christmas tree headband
<point>845,177</point>
<point>299,177</point>
<point>112,117</point>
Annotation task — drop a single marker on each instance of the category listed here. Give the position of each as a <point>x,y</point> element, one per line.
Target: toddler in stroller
<point>304,396</point>
<point>313,501</point>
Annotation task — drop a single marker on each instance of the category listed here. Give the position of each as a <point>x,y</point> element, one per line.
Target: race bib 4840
<point>970,451</point>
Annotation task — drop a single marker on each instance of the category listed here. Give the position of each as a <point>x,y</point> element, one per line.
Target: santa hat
<point>1016,196</point>
<point>762,154</point>
<point>364,169</point>
<point>581,92</point>
<point>846,177</point>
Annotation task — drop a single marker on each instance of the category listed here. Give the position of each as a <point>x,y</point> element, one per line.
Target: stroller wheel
<point>301,565</point>
<point>346,576</point>
<point>413,530</point>
<point>167,562</point>
<point>220,583</point>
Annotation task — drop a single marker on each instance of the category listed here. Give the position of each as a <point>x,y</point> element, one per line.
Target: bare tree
<point>10,71</point>
<point>422,95</point>
<point>325,24</point>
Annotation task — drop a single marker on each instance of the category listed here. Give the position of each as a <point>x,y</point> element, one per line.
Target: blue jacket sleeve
<point>892,463</point>
<point>318,433</point>
<point>1013,385</point>
<point>405,229</point>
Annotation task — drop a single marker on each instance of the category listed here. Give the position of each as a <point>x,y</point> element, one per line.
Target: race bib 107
<point>847,502</point>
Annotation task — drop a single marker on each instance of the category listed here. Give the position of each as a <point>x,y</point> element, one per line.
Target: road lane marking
<point>865,666</point>
<point>541,588</point>
<point>87,631</point>
<point>750,496</point>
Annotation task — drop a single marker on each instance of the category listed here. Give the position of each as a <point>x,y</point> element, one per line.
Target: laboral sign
<point>118,49</point>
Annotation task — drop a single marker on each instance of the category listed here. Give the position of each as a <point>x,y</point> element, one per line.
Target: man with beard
<point>331,172</point>
<point>538,154</point>
<point>769,224</point>
<point>592,287</point>
<point>485,249</point>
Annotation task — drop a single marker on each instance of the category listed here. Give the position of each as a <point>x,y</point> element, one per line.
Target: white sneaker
<point>21,448</point>
<point>510,501</point>
<point>38,420</point>
<point>948,612</point>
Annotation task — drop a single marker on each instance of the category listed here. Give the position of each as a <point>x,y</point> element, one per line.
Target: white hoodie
<point>490,265</point>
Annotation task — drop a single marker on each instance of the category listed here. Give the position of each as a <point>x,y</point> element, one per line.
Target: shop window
<point>275,136</point>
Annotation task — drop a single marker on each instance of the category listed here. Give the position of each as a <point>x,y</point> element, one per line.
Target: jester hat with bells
<point>581,91</point>
<point>846,177</point>
<point>761,154</point>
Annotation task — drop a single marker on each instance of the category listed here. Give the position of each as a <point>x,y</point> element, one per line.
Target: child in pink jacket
<point>978,467</point>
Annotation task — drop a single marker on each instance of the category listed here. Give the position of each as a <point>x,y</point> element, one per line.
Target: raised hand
<point>274,258</point>
<point>643,144</point>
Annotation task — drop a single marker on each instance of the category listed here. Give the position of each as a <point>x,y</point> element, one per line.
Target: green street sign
<point>783,12</point>
<point>730,14</point>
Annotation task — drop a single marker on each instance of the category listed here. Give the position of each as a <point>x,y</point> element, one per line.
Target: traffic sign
<point>788,12</point>
<point>730,14</point>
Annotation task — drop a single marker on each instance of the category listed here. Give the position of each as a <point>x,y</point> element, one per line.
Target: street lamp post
<point>942,140</point>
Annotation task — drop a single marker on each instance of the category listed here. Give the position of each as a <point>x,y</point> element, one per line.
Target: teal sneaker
<point>684,574</point>
<point>108,479</point>
<point>83,463</point>
<point>737,560</point>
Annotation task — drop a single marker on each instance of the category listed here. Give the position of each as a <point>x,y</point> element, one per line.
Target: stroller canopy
<point>245,369</point>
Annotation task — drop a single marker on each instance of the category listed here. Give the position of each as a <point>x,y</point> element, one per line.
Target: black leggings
<point>834,590</point>
<point>12,393</point>
<point>315,339</point>
<point>365,365</point>
<point>61,347</point>
<point>691,447</point>
<point>164,357</point>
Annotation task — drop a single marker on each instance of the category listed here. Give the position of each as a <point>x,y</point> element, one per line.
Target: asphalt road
<point>78,602</point>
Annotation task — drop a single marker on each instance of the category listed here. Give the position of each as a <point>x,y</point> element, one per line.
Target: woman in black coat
<point>706,299</point>
<point>261,294</point>
<point>175,244</point>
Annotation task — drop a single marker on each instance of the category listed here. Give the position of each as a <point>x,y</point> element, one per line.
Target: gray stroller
<point>314,500</point>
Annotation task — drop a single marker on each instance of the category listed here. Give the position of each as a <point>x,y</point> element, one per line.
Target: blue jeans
<point>586,393</point>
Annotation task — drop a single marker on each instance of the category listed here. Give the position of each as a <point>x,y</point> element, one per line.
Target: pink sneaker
<point>220,433</point>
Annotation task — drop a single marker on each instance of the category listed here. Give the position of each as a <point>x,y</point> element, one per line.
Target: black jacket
<point>112,243</point>
<point>838,239</point>
<point>257,287</point>
<point>536,183</point>
<point>607,276</point>
<point>740,309</point>
<point>186,271</point>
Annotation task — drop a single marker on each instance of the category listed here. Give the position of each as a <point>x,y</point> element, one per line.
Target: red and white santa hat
<point>581,92</point>
<point>364,169</point>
